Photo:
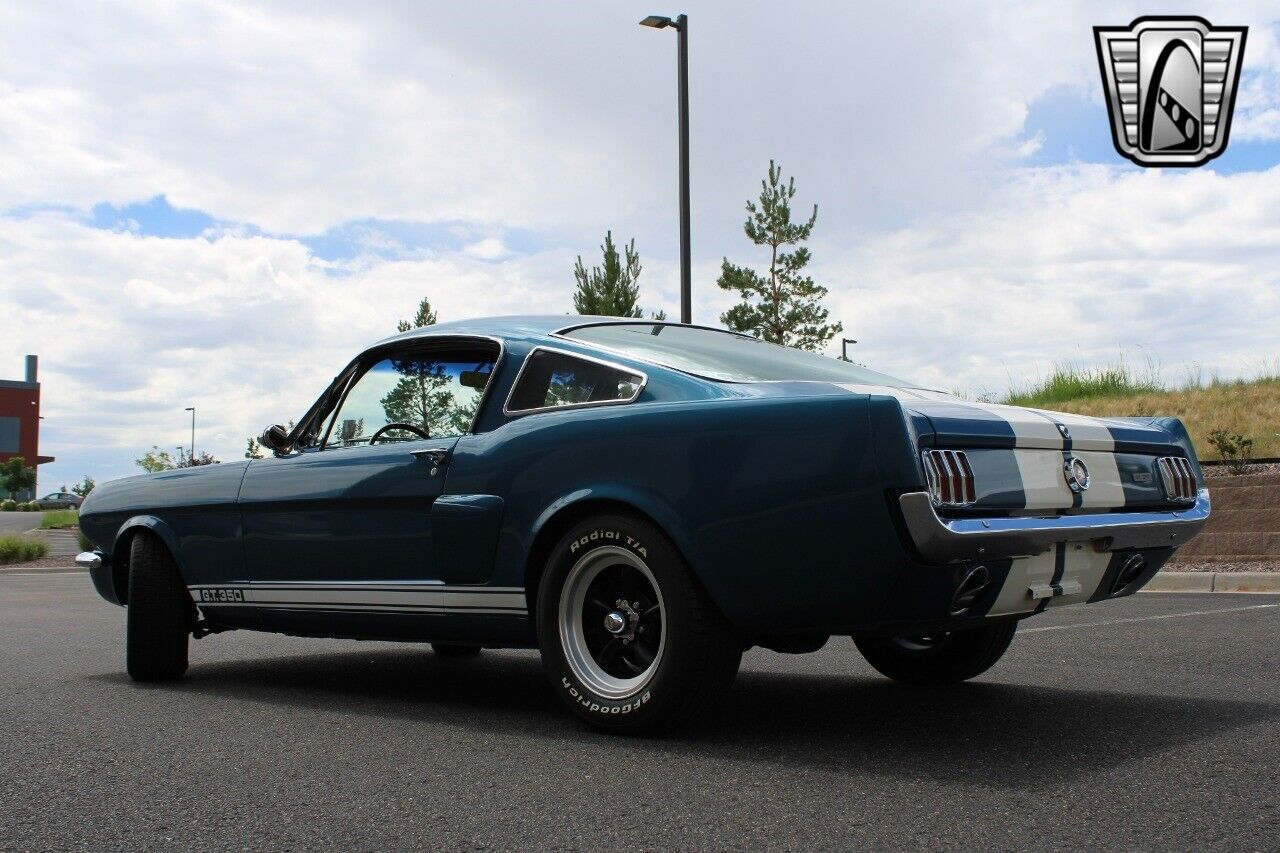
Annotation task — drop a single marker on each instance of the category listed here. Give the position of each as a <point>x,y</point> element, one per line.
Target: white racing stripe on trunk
<point>1043,482</point>
<point>1030,428</point>
<point>1105,488</point>
<point>1086,433</point>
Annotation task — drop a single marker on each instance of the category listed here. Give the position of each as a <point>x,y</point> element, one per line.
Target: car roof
<point>516,326</point>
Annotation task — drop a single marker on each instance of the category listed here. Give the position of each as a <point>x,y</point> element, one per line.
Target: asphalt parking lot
<point>1148,722</point>
<point>19,522</point>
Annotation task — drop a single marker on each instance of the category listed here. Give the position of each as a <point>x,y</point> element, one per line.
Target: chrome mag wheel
<point>612,622</point>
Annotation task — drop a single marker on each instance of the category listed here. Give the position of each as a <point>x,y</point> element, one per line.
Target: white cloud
<point>1072,264</point>
<point>132,329</point>
<point>489,249</point>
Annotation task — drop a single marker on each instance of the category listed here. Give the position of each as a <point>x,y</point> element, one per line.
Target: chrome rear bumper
<point>950,540</point>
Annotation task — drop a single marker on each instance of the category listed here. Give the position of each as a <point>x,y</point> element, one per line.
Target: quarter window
<point>551,380</point>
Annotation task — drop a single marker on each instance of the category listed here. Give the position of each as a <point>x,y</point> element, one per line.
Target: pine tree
<point>422,396</point>
<point>610,291</point>
<point>424,317</point>
<point>783,306</point>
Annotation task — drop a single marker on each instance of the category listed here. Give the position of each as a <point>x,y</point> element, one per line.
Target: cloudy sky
<point>217,204</point>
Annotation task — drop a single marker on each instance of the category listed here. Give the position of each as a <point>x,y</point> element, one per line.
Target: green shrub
<point>8,505</point>
<point>16,548</point>
<point>1235,449</point>
<point>56,518</point>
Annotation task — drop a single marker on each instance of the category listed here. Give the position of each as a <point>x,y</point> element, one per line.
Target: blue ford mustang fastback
<point>643,501</point>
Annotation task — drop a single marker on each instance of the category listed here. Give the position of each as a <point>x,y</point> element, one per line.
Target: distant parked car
<point>643,501</point>
<point>60,500</point>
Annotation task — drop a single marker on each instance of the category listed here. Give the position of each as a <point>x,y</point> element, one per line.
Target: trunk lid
<point>1019,455</point>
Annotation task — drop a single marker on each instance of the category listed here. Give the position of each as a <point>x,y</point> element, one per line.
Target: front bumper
<point>98,564</point>
<point>951,540</point>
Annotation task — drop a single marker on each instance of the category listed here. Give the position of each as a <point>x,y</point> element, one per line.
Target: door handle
<point>435,455</point>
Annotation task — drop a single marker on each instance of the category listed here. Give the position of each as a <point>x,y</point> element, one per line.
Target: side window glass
<point>436,396</point>
<point>551,380</point>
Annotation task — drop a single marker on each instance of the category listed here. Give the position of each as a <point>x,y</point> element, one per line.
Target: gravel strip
<point>42,563</point>
<point>1255,566</point>
<point>1213,472</point>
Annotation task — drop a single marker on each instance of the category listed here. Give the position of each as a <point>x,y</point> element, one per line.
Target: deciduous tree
<point>155,460</point>
<point>15,476</point>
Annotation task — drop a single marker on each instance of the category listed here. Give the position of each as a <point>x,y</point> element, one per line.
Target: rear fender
<point>643,500</point>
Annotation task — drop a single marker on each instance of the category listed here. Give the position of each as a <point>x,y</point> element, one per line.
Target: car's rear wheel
<point>629,638</point>
<point>160,613</point>
<point>945,657</point>
<point>455,650</point>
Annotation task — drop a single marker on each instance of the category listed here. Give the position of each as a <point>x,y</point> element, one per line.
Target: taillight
<point>950,477</point>
<point>1178,477</point>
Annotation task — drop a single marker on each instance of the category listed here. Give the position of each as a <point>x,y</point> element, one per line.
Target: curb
<point>39,570</point>
<point>1214,582</point>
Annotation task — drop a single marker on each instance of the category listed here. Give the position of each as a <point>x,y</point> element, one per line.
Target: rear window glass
<point>550,380</point>
<point>727,356</point>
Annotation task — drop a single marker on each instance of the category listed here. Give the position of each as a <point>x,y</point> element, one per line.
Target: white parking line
<point>1148,618</point>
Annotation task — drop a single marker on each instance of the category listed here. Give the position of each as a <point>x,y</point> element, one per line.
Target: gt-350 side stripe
<point>407,597</point>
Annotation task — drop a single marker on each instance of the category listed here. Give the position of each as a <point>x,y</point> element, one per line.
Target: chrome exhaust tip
<point>967,591</point>
<point>1132,568</point>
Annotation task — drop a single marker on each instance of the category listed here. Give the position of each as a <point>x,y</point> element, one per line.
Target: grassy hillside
<point>1248,407</point>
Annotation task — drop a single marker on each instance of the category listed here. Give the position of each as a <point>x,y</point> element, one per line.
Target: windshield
<point>726,356</point>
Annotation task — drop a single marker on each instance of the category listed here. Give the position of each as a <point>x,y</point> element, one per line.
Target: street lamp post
<point>844,348</point>
<point>192,452</point>
<point>681,25</point>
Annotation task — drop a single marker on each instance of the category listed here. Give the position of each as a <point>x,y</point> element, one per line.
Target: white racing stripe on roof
<point>881,390</point>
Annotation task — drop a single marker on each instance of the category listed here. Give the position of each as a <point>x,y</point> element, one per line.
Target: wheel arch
<point>123,542</point>
<point>563,514</point>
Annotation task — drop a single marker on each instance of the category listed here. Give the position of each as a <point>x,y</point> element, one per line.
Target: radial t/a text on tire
<point>628,636</point>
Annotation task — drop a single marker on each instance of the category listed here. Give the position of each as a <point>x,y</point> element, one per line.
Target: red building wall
<point>20,402</point>
<point>23,404</point>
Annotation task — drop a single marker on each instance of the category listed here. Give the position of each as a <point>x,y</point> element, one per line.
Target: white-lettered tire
<point>160,613</point>
<point>629,638</point>
<point>455,650</point>
<point>943,658</point>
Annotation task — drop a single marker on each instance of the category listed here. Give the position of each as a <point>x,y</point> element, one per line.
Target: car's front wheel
<point>160,613</point>
<point>629,638</point>
<point>945,657</point>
